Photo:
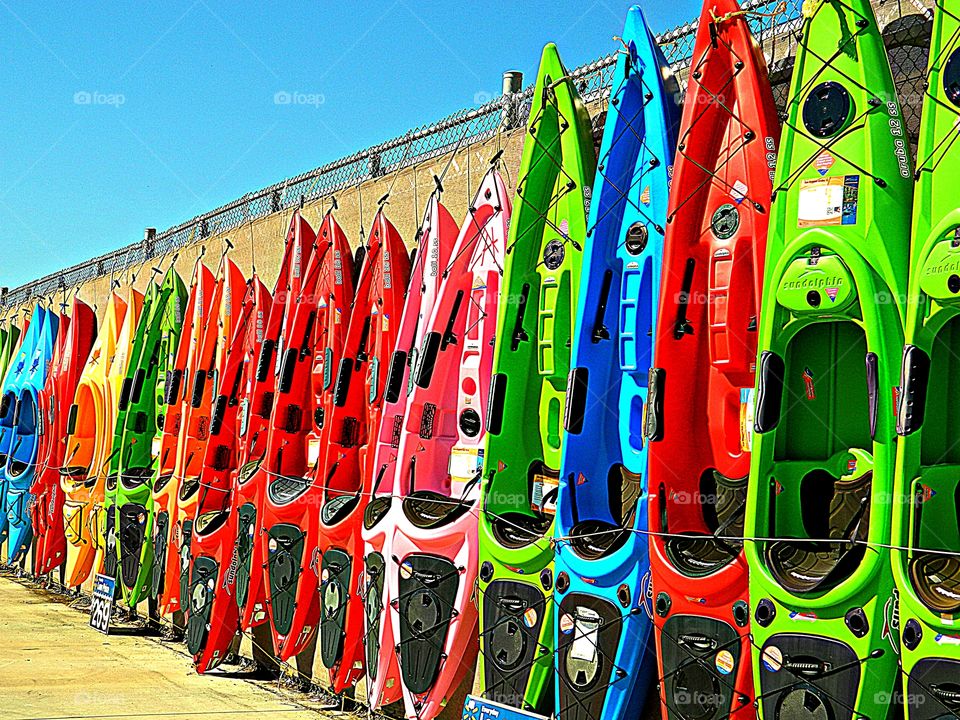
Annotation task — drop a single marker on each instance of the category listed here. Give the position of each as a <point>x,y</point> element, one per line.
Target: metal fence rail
<point>774,22</point>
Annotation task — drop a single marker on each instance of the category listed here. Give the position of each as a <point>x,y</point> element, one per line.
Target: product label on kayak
<point>772,658</point>
<point>724,662</point>
<point>746,419</point>
<point>313,451</point>
<point>544,496</point>
<point>465,463</point>
<point>828,201</point>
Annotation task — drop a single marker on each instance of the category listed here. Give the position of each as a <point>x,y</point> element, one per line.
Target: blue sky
<point>122,115</point>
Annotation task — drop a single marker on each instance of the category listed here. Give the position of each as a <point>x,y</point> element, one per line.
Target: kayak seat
<point>816,565</point>
<point>376,510</point>
<point>162,481</point>
<point>428,509</point>
<point>284,489</point>
<point>248,470</point>
<point>74,471</point>
<point>188,487</point>
<point>934,564</point>
<point>135,477</point>
<point>723,503</point>
<point>338,508</point>
<point>211,521</point>
<point>594,538</point>
<point>17,468</point>
<point>518,530</point>
<point>936,579</point>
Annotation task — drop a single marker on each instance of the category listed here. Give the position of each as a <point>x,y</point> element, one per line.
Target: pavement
<point>55,667</point>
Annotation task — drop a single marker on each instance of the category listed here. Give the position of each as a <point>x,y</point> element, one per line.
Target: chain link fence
<point>775,24</point>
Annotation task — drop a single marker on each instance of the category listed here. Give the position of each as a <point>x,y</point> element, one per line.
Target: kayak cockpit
<point>722,504</point>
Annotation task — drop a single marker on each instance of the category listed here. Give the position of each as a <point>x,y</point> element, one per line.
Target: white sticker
<point>724,662</point>
<point>772,658</point>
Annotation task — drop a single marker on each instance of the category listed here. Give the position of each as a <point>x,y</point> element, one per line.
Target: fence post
<point>512,85</point>
<point>149,240</point>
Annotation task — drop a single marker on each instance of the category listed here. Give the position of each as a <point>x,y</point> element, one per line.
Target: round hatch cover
<point>725,221</point>
<point>826,109</point>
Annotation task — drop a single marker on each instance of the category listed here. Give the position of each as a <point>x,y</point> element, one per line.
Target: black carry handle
<point>914,377</point>
<point>219,409</point>
<point>495,401</point>
<point>173,386</point>
<point>769,392</point>
<point>199,380</point>
<point>343,382</point>
<point>287,367</point>
<point>263,362</point>
<point>398,361</point>
<point>656,380</point>
<point>137,390</point>
<point>431,349</point>
<point>576,400</point>
<point>600,331</point>
<point>72,419</point>
<point>125,389</point>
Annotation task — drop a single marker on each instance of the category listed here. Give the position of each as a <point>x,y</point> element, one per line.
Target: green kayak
<point>120,382</point>
<point>527,394</point>
<point>926,520</point>
<point>157,337</point>
<point>819,504</point>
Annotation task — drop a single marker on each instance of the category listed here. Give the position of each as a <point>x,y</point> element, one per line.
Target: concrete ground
<point>55,667</point>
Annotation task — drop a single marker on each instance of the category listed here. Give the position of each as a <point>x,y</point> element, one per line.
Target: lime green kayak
<point>157,337</point>
<point>121,383</point>
<point>925,520</point>
<point>830,339</point>
<point>528,390</point>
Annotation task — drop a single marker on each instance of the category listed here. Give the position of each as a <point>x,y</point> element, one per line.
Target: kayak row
<point>662,418</point>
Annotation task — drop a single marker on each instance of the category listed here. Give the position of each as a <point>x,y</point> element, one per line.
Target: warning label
<point>828,201</point>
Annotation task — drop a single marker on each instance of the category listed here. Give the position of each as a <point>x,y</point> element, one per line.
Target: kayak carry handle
<point>343,382</point>
<point>769,392</point>
<point>872,391</point>
<point>199,380</point>
<point>287,367</point>
<point>656,380</point>
<point>431,348</point>
<point>395,376</point>
<point>173,386</point>
<point>576,399</point>
<point>219,410</point>
<point>263,362</point>
<point>914,376</point>
<point>124,400</point>
<point>137,389</point>
<point>496,399</point>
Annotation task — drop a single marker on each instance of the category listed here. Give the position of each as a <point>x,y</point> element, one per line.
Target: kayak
<point>13,380</point>
<point>604,660</point>
<point>119,382</point>
<point>257,406</point>
<point>140,432</point>
<point>316,325</point>
<point>705,357</point>
<point>432,563</point>
<point>75,337</point>
<point>20,468</point>
<point>165,573</point>
<point>357,404</point>
<point>524,420</point>
<point>45,505</point>
<point>819,501</point>
<point>435,238</point>
<point>213,617</point>
<point>210,342</point>
<point>926,534</point>
<point>80,478</point>
<point>207,365</point>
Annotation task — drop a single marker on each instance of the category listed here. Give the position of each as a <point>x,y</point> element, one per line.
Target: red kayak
<point>436,237</point>
<point>213,618</point>
<point>74,341</point>
<point>357,403</point>
<point>256,408</point>
<point>316,327</point>
<point>705,357</point>
<point>165,585</point>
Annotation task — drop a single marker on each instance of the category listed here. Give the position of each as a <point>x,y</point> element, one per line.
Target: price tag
<point>101,606</point>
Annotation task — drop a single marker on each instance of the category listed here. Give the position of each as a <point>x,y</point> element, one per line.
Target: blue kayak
<point>21,465</point>
<point>605,662</point>
<point>18,373</point>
